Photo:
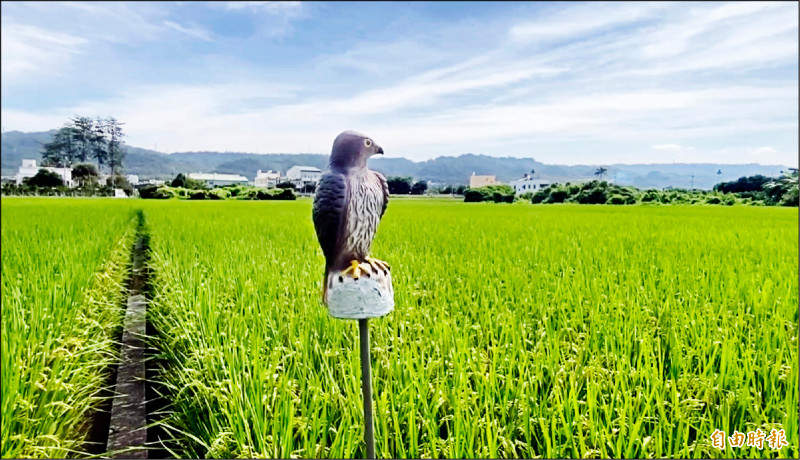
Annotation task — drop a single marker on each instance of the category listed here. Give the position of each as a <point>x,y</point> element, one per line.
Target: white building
<point>302,175</point>
<point>29,169</point>
<point>267,179</point>
<point>529,184</point>
<point>215,179</point>
<point>153,182</point>
<point>133,179</point>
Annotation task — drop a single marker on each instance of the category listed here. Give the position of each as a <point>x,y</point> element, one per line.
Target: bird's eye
<point>368,142</point>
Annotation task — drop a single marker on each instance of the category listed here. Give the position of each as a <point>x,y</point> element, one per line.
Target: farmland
<point>64,263</point>
<point>519,330</point>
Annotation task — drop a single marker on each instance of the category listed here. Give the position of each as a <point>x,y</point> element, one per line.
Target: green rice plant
<point>64,262</point>
<point>521,331</point>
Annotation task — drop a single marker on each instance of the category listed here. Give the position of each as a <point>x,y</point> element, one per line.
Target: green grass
<point>519,331</point>
<point>63,264</point>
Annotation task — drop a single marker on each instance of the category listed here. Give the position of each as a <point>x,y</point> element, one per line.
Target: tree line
<point>754,190</point>
<point>406,186</point>
<point>82,139</point>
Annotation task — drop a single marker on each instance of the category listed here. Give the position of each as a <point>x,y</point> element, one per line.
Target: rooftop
<point>215,176</point>
<point>307,168</point>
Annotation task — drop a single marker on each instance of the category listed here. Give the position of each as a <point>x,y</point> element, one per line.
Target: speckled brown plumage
<point>349,203</point>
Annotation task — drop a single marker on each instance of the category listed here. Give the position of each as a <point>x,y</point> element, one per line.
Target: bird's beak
<point>380,150</point>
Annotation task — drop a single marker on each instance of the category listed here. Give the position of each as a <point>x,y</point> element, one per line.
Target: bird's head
<point>352,149</point>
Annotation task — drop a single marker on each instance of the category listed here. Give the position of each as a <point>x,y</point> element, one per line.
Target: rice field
<point>518,331</point>
<point>64,262</point>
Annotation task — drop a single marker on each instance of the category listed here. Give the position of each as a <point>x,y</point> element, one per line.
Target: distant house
<point>267,179</point>
<point>133,179</point>
<point>151,182</point>
<point>216,180</point>
<point>529,184</point>
<point>29,169</point>
<point>303,175</point>
<point>476,180</point>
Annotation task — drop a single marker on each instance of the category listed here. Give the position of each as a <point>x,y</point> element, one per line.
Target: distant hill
<point>15,145</point>
<point>442,170</point>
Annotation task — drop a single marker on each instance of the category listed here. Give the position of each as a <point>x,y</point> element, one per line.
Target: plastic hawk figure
<point>349,203</point>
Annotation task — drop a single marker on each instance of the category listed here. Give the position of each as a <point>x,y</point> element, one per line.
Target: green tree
<point>81,139</point>
<point>120,181</point>
<point>53,154</point>
<point>179,181</point>
<point>784,190</point>
<point>497,193</point>
<point>100,144</point>
<point>85,173</point>
<point>113,132</point>
<point>743,184</point>
<point>84,136</point>
<point>419,188</point>
<point>187,182</point>
<point>63,149</point>
<point>399,185</point>
<point>44,178</point>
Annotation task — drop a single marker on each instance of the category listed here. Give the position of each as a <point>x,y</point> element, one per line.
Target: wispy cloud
<point>32,52</point>
<point>289,8</point>
<point>676,37</point>
<point>207,111</point>
<point>28,50</point>
<point>579,19</point>
<point>192,31</point>
<point>610,78</point>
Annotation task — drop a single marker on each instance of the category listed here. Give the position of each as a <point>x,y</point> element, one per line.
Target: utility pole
<point>692,181</point>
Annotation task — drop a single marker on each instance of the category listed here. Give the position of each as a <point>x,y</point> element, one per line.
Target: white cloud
<point>675,37</point>
<point>732,35</point>
<point>21,120</point>
<point>769,155</point>
<point>384,59</point>
<point>109,22</point>
<point>580,19</point>
<point>192,31</point>
<point>209,117</point>
<point>667,147</point>
<point>634,74</point>
<point>287,8</point>
<point>28,51</point>
<point>766,150</point>
<point>54,37</point>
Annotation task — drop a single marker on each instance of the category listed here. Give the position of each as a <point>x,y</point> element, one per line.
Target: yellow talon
<point>355,268</point>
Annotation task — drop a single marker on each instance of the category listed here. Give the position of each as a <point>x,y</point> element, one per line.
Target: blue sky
<point>568,83</point>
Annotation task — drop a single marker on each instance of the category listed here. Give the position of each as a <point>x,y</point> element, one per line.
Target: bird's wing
<point>330,206</point>
<point>385,187</point>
